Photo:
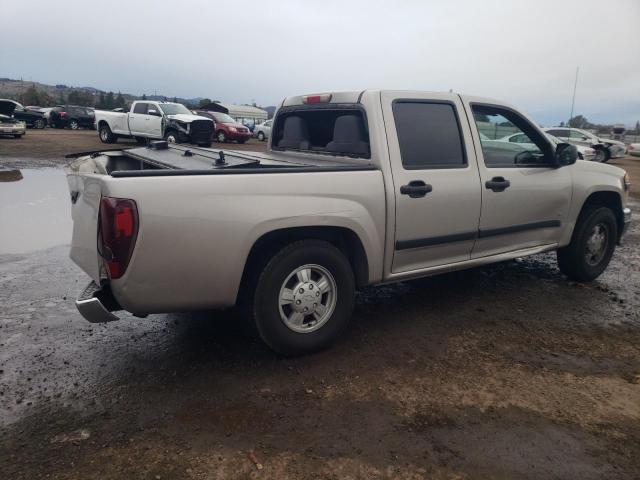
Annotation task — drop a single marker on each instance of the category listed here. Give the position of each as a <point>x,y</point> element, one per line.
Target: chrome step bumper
<point>95,304</point>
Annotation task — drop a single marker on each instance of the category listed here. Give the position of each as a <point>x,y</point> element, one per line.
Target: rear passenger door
<point>435,177</point>
<point>138,119</point>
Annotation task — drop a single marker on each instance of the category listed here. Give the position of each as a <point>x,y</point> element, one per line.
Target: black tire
<point>221,137</point>
<point>106,135</point>
<point>17,136</point>
<point>242,141</point>
<point>74,124</point>
<point>261,136</point>
<point>265,304</point>
<point>172,136</point>
<point>602,155</point>
<point>205,144</point>
<point>575,260</point>
<point>40,123</point>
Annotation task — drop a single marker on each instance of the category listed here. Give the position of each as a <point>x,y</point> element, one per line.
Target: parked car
<point>154,120</point>
<point>634,149</point>
<point>263,131</point>
<point>12,126</point>
<point>226,128</point>
<point>584,153</point>
<point>14,109</point>
<point>45,111</point>
<point>357,188</point>
<point>605,148</point>
<point>72,116</point>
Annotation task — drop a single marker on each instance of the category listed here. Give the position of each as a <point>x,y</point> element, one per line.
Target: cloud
<point>523,52</point>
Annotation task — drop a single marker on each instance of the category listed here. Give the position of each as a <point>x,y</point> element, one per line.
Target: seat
<point>349,136</point>
<point>295,134</point>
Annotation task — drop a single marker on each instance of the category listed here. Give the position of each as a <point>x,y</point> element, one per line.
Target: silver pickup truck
<point>356,188</point>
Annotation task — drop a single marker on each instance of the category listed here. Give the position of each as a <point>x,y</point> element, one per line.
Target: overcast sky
<point>524,52</point>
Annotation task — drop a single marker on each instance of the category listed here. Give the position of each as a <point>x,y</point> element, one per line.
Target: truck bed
<point>161,159</point>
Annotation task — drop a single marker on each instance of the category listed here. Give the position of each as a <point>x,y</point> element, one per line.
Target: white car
<point>584,153</point>
<point>634,149</point>
<point>263,131</point>
<point>605,148</point>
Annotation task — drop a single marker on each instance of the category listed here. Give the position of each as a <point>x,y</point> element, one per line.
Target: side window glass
<point>429,135</point>
<point>140,108</point>
<point>508,140</point>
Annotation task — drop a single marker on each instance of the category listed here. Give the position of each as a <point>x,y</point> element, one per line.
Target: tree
<point>579,121</point>
<point>61,98</point>
<point>638,127</point>
<point>119,101</point>
<point>100,103</point>
<point>562,124</point>
<point>204,102</point>
<point>144,96</point>
<point>175,99</point>
<point>109,101</point>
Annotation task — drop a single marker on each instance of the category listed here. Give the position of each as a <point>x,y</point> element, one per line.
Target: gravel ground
<point>503,372</point>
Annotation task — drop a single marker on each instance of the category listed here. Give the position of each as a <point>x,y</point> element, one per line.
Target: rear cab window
<point>332,129</point>
<point>429,134</point>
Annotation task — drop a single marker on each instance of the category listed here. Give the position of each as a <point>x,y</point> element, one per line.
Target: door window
<point>428,135</point>
<point>140,108</point>
<point>576,135</point>
<point>497,126</point>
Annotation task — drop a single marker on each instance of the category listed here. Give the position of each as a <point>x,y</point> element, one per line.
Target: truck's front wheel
<point>303,297</point>
<point>106,135</point>
<point>172,137</point>
<point>592,245</point>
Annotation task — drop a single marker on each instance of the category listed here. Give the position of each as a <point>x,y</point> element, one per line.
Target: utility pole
<point>573,100</point>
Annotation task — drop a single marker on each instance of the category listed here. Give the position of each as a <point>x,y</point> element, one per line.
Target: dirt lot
<point>504,372</point>
<point>48,146</point>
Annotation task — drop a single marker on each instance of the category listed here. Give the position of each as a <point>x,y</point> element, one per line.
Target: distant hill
<point>56,94</point>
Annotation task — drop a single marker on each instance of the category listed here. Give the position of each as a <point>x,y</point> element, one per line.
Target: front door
<point>154,122</point>
<point>525,198</point>
<point>435,179</point>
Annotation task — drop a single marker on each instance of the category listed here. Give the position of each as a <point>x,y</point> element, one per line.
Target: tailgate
<point>86,191</point>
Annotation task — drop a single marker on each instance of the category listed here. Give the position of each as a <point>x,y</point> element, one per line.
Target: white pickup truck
<point>356,188</point>
<point>172,122</point>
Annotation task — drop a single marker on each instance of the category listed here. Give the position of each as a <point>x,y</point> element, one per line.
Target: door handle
<point>497,184</point>
<point>416,189</point>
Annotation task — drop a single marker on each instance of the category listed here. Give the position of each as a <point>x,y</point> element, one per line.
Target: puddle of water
<point>35,212</point>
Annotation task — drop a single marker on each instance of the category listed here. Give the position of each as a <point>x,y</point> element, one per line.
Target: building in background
<point>246,114</point>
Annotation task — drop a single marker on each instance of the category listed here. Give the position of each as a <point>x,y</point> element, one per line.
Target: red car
<point>226,128</point>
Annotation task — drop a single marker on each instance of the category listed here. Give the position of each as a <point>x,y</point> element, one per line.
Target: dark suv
<point>72,116</point>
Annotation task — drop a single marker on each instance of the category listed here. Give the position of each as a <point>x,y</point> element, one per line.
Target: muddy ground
<point>503,372</point>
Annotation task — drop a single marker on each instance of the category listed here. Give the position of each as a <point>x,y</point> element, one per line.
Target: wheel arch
<point>343,238</point>
<point>605,198</point>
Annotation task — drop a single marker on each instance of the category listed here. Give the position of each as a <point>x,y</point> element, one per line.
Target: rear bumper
<point>95,304</point>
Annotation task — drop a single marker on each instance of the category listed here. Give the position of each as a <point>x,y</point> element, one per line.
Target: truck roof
<point>354,96</point>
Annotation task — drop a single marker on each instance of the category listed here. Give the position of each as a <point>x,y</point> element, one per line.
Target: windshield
<point>174,109</point>
<point>223,118</point>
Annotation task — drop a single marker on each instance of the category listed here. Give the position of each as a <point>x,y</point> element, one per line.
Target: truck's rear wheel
<point>106,135</point>
<point>592,245</point>
<point>303,297</point>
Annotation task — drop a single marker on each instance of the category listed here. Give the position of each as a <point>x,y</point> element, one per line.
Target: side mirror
<point>153,112</point>
<point>566,154</point>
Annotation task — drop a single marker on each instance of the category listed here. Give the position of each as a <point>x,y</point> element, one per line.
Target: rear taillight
<point>63,114</point>
<point>118,233</point>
